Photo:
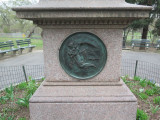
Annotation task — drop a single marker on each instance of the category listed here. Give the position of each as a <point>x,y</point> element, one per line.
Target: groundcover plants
<point>14,101</point>
<point>148,97</point>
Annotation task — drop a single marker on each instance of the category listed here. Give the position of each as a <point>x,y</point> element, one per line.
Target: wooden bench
<point>140,43</point>
<point>157,46</point>
<point>6,47</point>
<point>22,45</point>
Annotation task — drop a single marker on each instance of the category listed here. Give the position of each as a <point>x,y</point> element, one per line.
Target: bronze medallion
<point>83,55</point>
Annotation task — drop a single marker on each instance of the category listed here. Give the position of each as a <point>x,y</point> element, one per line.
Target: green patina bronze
<point>83,55</point>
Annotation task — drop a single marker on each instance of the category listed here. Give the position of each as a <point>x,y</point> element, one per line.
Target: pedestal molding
<point>51,83</point>
<point>83,22</point>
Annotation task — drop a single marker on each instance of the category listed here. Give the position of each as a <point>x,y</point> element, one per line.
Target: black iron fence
<point>16,74</point>
<point>143,69</point>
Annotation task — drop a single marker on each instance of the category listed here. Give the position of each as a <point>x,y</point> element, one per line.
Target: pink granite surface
<point>83,91</point>
<point>83,4</point>
<point>83,111</point>
<point>83,103</point>
<point>61,18</point>
<point>53,39</point>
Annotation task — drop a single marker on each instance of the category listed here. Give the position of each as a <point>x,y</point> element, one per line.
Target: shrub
<point>143,83</point>
<point>154,109</point>
<point>24,101</point>
<point>151,83</point>
<point>156,90</point>
<point>5,117</point>
<point>10,92</point>
<point>137,78</point>
<point>3,99</point>
<point>124,78</point>
<point>9,95</point>
<point>22,119</point>
<point>143,96</point>
<point>141,115</point>
<point>31,87</point>
<point>157,100</point>
<point>22,85</point>
<point>149,92</point>
<point>11,117</point>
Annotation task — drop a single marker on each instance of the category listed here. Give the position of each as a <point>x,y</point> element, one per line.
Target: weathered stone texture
<point>83,103</point>
<point>53,39</point>
<point>103,97</point>
<point>83,111</point>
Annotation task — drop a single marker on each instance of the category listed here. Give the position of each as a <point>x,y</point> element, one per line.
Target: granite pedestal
<point>83,103</point>
<point>102,97</point>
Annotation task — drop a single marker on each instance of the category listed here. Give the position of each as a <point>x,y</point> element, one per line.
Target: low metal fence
<point>16,74</point>
<point>142,69</point>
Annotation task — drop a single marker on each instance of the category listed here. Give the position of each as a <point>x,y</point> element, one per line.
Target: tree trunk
<point>144,36</point>
<point>124,39</point>
<point>132,37</point>
<point>126,32</point>
<point>31,32</point>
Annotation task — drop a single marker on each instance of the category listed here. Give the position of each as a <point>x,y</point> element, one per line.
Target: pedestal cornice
<point>83,9</point>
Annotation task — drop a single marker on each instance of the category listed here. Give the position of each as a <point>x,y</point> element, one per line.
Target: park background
<point>13,28</point>
<point>14,100</point>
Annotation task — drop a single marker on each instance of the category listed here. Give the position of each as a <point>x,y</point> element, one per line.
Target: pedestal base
<point>83,103</point>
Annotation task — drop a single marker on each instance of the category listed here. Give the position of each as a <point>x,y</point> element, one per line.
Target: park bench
<point>140,43</point>
<point>157,46</point>
<point>6,47</point>
<point>22,45</point>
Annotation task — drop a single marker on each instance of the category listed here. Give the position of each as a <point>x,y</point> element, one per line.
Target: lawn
<point>137,35</point>
<point>14,101</point>
<point>37,42</point>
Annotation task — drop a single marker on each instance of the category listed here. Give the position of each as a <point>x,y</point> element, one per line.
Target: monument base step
<point>83,103</point>
<point>111,83</point>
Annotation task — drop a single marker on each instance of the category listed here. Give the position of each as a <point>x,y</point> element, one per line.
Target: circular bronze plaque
<point>82,55</point>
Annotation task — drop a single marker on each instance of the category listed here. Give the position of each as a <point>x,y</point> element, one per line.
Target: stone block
<point>83,103</point>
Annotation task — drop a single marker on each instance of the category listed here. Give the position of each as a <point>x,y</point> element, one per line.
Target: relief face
<point>82,55</point>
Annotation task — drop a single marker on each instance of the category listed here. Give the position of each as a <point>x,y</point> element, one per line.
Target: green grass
<point>37,42</point>
<point>137,35</point>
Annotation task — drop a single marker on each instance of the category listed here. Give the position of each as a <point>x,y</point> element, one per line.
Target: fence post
<point>24,71</point>
<point>135,72</point>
